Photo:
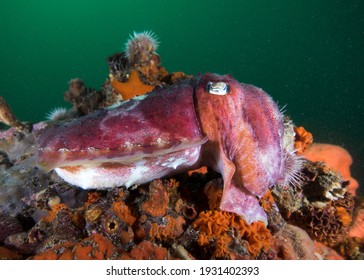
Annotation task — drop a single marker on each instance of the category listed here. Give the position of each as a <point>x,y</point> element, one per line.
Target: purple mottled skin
<point>214,120</point>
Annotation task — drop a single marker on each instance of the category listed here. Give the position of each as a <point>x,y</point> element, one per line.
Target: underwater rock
<point>324,252</point>
<point>336,158</point>
<point>19,176</point>
<point>293,243</point>
<point>8,225</point>
<point>321,205</point>
<point>7,254</point>
<point>94,247</point>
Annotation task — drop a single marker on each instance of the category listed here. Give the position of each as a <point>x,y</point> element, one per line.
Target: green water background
<point>306,54</point>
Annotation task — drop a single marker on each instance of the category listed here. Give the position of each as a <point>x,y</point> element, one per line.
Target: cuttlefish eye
<point>218,88</point>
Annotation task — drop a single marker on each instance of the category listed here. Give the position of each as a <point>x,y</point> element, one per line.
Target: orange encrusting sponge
<point>133,87</point>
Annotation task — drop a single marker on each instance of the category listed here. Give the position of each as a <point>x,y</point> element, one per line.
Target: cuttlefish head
<point>245,131</point>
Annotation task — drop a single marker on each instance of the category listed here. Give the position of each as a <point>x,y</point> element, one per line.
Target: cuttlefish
<point>232,127</point>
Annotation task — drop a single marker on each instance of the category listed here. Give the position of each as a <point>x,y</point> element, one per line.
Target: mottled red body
<point>161,122</point>
<point>234,128</point>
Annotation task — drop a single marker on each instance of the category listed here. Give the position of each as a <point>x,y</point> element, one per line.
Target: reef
<point>315,216</point>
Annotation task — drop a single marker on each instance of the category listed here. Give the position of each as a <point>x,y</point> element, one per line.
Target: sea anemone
<point>141,45</point>
<point>57,114</point>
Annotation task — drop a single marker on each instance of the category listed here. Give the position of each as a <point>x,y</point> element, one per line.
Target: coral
<point>223,231</point>
<point>133,87</point>
<point>335,157</point>
<point>303,139</point>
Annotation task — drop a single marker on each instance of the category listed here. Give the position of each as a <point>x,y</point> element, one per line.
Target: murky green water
<point>306,54</point>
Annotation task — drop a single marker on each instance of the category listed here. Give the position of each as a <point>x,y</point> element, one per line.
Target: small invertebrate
<point>141,46</point>
<point>58,113</point>
<point>213,120</point>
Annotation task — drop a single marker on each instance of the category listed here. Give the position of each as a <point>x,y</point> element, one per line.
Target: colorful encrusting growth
<point>229,235</point>
<point>158,165</point>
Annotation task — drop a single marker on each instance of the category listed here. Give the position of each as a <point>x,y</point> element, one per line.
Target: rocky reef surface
<point>177,217</point>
